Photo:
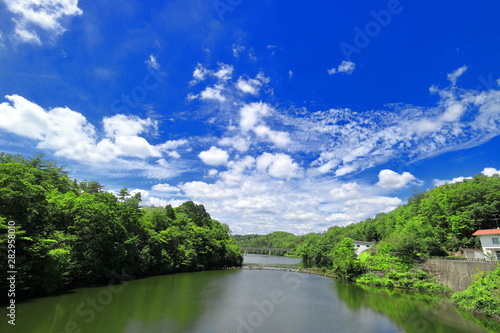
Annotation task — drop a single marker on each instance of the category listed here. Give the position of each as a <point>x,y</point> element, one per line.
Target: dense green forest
<point>278,240</point>
<point>70,233</point>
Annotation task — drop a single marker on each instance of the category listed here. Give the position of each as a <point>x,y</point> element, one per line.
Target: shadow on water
<point>169,303</point>
<point>415,311</point>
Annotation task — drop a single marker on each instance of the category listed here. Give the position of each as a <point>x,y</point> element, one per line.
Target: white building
<point>490,241</point>
<point>360,246</point>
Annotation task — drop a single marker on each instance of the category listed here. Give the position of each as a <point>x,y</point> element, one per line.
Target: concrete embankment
<point>456,274</point>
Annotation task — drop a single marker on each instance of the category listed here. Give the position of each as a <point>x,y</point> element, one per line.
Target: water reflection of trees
<point>414,311</point>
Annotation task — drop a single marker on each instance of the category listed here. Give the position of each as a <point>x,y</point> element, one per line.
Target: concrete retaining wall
<point>456,274</point>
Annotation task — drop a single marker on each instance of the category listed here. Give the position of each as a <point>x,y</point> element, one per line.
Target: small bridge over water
<point>270,249</point>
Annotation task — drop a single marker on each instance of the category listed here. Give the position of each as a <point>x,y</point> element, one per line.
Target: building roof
<point>487,232</point>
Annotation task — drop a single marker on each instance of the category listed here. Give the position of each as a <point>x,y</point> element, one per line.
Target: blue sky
<point>275,115</point>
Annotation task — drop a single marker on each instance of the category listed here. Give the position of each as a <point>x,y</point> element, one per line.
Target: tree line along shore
<point>72,233</point>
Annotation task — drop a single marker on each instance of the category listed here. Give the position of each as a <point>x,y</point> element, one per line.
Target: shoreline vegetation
<point>72,233</point>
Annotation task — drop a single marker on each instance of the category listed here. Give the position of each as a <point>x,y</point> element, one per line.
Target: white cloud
<point>224,73</point>
<point>346,191</point>
<point>452,77</point>
<point>490,172</point>
<point>201,190</point>
<point>214,156</point>
<point>214,93</point>
<point>121,125</point>
<point>453,112</point>
<point>173,154</point>
<point>251,119</point>
<point>27,36</point>
<point>345,67</point>
<point>70,135</point>
<point>212,172</point>
<point>238,143</point>
<point>42,15</point>
<point>165,188</point>
<point>279,166</point>
<point>237,49</point>
<point>439,182</point>
<point>172,144</point>
<point>251,86</point>
<point>200,73</point>
<point>237,170</point>
<point>250,114</point>
<point>290,74</point>
<point>389,179</point>
<point>152,62</point>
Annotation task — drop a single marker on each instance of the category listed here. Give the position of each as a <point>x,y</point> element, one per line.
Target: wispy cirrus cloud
<point>345,141</point>
<point>35,17</point>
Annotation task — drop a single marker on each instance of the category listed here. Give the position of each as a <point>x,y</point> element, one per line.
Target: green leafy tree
<point>345,263</point>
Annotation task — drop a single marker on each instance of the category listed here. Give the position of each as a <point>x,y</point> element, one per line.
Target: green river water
<point>243,301</point>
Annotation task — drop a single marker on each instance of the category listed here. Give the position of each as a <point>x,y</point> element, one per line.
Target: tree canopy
<point>71,233</point>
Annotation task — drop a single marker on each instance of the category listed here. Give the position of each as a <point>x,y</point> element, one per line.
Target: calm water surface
<point>243,301</point>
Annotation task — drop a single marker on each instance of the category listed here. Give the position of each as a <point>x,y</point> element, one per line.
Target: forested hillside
<point>278,239</point>
<point>71,233</point>
<point>438,222</point>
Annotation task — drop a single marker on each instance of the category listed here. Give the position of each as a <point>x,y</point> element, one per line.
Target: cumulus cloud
<point>346,191</point>
<point>32,17</point>
<point>237,170</point>
<point>490,172</point>
<point>251,86</point>
<point>69,134</point>
<point>213,93</point>
<point>392,180</point>
<point>214,156</point>
<point>279,165</point>
<point>345,67</point>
